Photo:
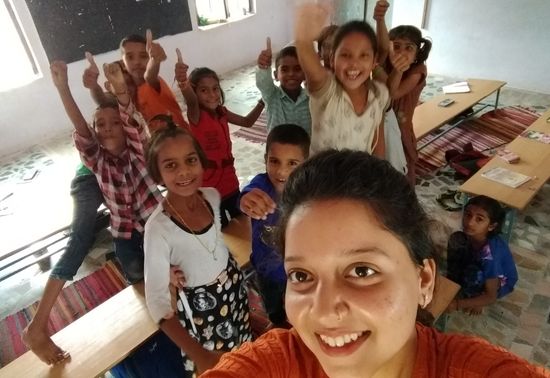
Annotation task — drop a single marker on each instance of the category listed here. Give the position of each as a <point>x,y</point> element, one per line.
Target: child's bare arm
<point>382,35</point>
<point>193,108</point>
<point>380,147</point>
<point>257,204</point>
<point>203,359</point>
<point>488,296</point>
<point>89,79</point>
<point>310,19</point>
<point>58,70</point>
<point>249,119</point>
<point>156,56</point>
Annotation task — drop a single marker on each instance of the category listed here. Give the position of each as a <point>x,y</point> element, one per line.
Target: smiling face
<point>353,290</point>
<point>353,60</point>
<point>209,93</point>
<point>290,74</point>
<point>280,161</point>
<point>476,223</point>
<point>179,166</point>
<point>135,58</point>
<point>109,130</point>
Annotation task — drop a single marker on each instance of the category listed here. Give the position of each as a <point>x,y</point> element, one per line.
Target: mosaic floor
<point>34,196</point>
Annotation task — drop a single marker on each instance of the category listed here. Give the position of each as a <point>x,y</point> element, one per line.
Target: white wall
<point>496,39</point>
<point>33,113</point>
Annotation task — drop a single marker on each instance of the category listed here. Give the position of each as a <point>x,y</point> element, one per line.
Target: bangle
<point>121,93</point>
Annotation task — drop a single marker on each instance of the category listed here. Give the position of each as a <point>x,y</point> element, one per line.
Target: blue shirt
<point>265,257</point>
<point>494,260</point>
<point>280,108</point>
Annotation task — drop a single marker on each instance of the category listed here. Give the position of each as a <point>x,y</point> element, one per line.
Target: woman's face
<point>353,290</point>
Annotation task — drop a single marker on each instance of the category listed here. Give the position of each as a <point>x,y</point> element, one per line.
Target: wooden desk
<point>106,335</point>
<point>429,116</point>
<point>534,162</point>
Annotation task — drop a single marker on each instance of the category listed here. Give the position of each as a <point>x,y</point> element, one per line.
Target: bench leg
<point>496,100</point>
<point>507,227</point>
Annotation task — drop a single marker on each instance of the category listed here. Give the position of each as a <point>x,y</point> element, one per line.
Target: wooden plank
<point>106,335</point>
<point>429,116</point>
<point>534,162</point>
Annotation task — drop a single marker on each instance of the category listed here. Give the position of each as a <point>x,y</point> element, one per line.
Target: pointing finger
<point>268,44</point>
<point>180,59</point>
<point>148,38</point>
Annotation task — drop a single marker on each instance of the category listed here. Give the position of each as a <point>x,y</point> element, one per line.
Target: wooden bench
<point>534,162</point>
<point>429,116</point>
<point>106,335</point>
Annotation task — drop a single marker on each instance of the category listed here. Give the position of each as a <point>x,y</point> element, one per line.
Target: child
<point>286,148</point>
<point>184,231</point>
<point>478,259</point>
<point>288,103</point>
<point>113,150</point>
<point>406,70</point>
<point>358,271</point>
<point>324,44</point>
<point>142,58</point>
<point>209,121</point>
<point>347,108</point>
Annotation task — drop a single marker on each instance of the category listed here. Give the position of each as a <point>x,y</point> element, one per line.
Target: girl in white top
<point>211,314</point>
<point>347,107</point>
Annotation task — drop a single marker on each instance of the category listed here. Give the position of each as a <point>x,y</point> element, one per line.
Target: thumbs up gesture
<point>264,59</point>
<point>91,73</point>
<point>155,50</point>
<point>398,61</point>
<point>380,10</point>
<point>113,73</point>
<point>181,70</point>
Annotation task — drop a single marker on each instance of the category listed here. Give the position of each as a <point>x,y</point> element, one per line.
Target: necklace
<point>180,218</point>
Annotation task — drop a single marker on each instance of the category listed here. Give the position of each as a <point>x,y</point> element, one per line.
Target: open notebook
<point>506,177</point>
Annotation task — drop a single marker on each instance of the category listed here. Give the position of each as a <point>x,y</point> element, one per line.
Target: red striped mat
<point>255,134</point>
<point>74,301</point>
<point>491,130</point>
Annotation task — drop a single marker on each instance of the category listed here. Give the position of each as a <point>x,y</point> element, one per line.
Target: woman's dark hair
<point>414,35</point>
<point>171,130</point>
<point>493,209</point>
<point>358,176</point>
<point>354,27</point>
<point>200,73</point>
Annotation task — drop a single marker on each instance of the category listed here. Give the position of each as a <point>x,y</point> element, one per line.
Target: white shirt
<point>166,244</point>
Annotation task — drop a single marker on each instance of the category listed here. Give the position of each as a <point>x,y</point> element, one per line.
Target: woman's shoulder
<point>441,354</point>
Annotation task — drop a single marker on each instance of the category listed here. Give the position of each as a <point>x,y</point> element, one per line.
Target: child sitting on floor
<point>479,259</point>
<point>209,121</point>
<point>288,103</point>
<point>286,148</point>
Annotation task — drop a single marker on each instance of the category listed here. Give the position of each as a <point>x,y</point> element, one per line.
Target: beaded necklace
<point>180,218</point>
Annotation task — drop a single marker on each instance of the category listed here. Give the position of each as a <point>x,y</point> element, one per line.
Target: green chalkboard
<point>68,28</point>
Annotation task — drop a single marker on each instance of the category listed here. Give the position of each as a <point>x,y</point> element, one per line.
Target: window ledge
<point>226,22</point>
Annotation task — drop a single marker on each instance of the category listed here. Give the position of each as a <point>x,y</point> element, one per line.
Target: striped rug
<point>491,130</point>
<point>74,301</point>
<point>255,134</point>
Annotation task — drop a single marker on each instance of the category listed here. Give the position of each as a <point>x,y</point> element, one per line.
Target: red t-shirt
<point>281,353</point>
<point>212,133</point>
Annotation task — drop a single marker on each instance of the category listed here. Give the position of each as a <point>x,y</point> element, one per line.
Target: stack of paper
<point>506,177</point>
<point>461,87</point>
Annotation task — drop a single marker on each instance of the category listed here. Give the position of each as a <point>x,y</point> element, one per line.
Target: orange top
<point>281,353</point>
<point>150,103</point>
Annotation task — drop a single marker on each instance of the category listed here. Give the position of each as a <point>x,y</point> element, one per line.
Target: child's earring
<point>424,301</point>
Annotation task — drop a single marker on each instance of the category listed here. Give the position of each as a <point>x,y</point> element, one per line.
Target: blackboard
<point>68,28</point>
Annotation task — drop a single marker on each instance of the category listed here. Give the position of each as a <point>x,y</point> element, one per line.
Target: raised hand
<point>310,20</point>
<point>257,204</point>
<point>264,59</point>
<point>399,61</point>
<point>155,50</point>
<point>58,70</point>
<point>113,73</point>
<point>91,73</point>
<point>181,70</point>
<point>380,10</point>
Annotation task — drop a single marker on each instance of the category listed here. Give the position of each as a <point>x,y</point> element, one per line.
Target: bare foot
<point>41,344</point>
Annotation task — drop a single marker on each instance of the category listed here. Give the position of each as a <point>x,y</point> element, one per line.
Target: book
<point>506,177</point>
<point>461,87</point>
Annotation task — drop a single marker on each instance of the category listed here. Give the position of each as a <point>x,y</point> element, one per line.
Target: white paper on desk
<point>461,87</point>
